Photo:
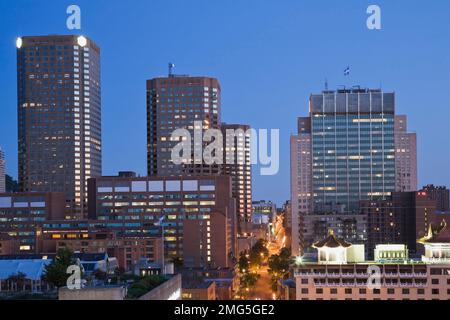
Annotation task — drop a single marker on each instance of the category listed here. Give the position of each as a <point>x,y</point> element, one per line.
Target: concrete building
<point>209,284</point>
<point>405,156</point>
<point>89,236</point>
<point>196,214</point>
<point>93,293</point>
<point>340,274</point>
<point>237,164</point>
<point>176,102</point>
<point>264,212</point>
<point>301,183</point>
<point>184,102</point>
<point>59,116</point>
<point>200,290</point>
<point>401,218</point>
<point>21,216</point>
<point>2,172</point>
<point>440,194</point>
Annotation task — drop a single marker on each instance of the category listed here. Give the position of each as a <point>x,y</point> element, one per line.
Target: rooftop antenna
<point>326,84</point>
<point>171,66</point>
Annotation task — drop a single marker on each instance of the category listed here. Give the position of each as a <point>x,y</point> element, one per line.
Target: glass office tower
<point>353,148</point>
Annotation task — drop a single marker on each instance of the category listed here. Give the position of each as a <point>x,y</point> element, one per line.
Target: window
<point>333,291</point>
<point>138,186</point>
<point>376,291</point>
<point>304,291</point>
<point>173,186</point>
<point>348,291</point>
<point>420,291</point>
<point>104,189</point>
<point>405,291</point>
<point>362,291</point>
<point>5,202</point>
<point>435,291</point>
<point>319,291</point>
<point>304,281</point>
<point>434,281</point>
<point>155,186</point>
<point>190,185</point>
<point>391,291</point>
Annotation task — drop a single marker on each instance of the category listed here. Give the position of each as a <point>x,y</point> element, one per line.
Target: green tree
<point>279,266</point>
<point>258,253</point>
<point>56,272</point>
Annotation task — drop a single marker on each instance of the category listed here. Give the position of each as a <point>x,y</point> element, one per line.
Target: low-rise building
<point>21,216</point>
<point>195,213</point>
<point>341,273</point>
<point>199,290</point>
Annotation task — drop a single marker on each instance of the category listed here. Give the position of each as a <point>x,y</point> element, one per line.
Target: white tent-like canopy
<point>32,268</point>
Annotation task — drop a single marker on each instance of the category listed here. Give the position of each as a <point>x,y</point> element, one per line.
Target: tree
<point>243,262</point>
<point>279,266</point>
<point>259,253</point>
<point>56,272</point>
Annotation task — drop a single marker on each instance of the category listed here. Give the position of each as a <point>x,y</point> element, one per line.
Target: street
<point>262,290</point>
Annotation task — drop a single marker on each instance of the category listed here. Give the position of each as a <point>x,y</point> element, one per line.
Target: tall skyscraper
<point>237,164</point>
<point>183,102</point>
<point>352,154</point>
<point>59,114</point>
<point>301,182</point>
<point>405,156</point>
<point>176,102</point>
<point>2,172</point>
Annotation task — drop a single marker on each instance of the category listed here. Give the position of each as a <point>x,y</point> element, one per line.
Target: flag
<point>347,71</point>
<point>160,221</point>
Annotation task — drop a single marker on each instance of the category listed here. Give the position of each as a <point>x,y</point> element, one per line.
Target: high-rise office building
<point>237,164</point>
<point>193,103</point>
<point>344,153</point>
<point>301,182</point>
<point>405,156</point>
<point>59,114</point>
<point>179,102</point>
<point>2,172</point>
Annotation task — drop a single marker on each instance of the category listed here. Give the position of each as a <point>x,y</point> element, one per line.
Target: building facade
<point>405,156</point>
<point>344,153</point>
<point>237,164</point>
<point>2,172</point>
<point>340,275</point>
<point>440,194</point>
<point>59,116</point>
<point>178,102</point>
<point>401,218</point>
<point>196,214</point>
<point>194,104</point>
<point>90,236</point>
<point>21,216</point>
<point>301,182</point>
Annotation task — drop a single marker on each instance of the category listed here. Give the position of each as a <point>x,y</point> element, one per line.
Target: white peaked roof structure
<point>32,268</point>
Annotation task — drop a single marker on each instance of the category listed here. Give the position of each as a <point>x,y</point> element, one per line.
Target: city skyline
<point>246,77</point>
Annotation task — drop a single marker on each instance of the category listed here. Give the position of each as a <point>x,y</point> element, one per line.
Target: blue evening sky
<point>269,55</point>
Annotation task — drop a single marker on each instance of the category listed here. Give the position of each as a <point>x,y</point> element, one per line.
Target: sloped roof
<point>32,268</point>
<point>331,241</point>
<point>440,234</point>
